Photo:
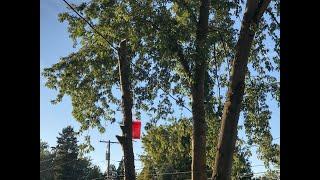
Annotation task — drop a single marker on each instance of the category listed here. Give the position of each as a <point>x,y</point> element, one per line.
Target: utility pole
<point>108,154</point>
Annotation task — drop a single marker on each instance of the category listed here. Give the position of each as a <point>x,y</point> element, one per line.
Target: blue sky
<point>54,44</point>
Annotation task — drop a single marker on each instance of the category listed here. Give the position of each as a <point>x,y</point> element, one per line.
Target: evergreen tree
<point>46,159</point>
<point>88,170</point>
<point>66,160</point>
<point>120,170</point>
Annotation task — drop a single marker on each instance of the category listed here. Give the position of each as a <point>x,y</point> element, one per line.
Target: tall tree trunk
<point>198,132</point>
<point>126,104</point>
<point>231,110</point>
<point>197,92</point>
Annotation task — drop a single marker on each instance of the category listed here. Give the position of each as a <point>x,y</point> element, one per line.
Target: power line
<point>91,25</point>
<point>97,178</point>
<point>251,174</point>
<point>174,98</point>
<point>257,165</point>
<point>255,145</point>
<point>95,30</point>
<point>273,17</point>
<point>46,160</point>
<point>162,89</point>
<point>209,170</point>
<point>186,172</point>
<point>57,165</point>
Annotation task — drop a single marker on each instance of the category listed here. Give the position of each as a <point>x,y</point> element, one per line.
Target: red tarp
<point>136,128</point>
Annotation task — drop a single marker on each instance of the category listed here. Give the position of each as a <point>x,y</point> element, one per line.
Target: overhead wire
<point>46,160</point>
<point>57,165</point>
<point>115,48</point>
<point>187,172</point>
<point>91,25</point>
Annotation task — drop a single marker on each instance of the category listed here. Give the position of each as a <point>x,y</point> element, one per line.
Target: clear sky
<point>54,44</point>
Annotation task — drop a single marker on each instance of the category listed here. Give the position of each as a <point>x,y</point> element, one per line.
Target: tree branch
<point>273,17</point>
<point>262,8</point>
<point>182,59</point>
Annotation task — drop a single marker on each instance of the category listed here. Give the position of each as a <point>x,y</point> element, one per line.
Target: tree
<point>67,162</point>
<point>168,150</point>
<point>88,170</point>
<point>46,159</point>
<point>113,174</point>
<point>231,112</point>
<point>66,159</point>
<point>126,139</point>
<point>147,173</point>
<point>177,47</point>
<point>68,80</point>
<point>271,174</point>
<point>90,74</point>
<point>171,42</point>
<point>120,170</point>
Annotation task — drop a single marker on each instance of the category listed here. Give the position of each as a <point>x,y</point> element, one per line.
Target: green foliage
<point>257,115</point>
<point>168,150</point>
<point>88,170</point>
<point>270,174</point>
<point>113,173</point>
<point>66,158</point>
<point>120,170</point>
<point>52,163</point>
<point>67,163</point>
<point>46,161</point>
<point>160,32</point>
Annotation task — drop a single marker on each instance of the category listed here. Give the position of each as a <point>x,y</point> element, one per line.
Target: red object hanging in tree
<point>136,128</point>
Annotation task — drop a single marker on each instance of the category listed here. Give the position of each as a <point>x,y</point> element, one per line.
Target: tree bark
<point>126,104</point>
<point>231,110</point>
<point>197,92</point>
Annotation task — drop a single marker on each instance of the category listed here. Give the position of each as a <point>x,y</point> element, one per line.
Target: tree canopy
<point>46,159</point>
<point>167,149</point>
<point>64,161</point>
<point>164,49</point>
